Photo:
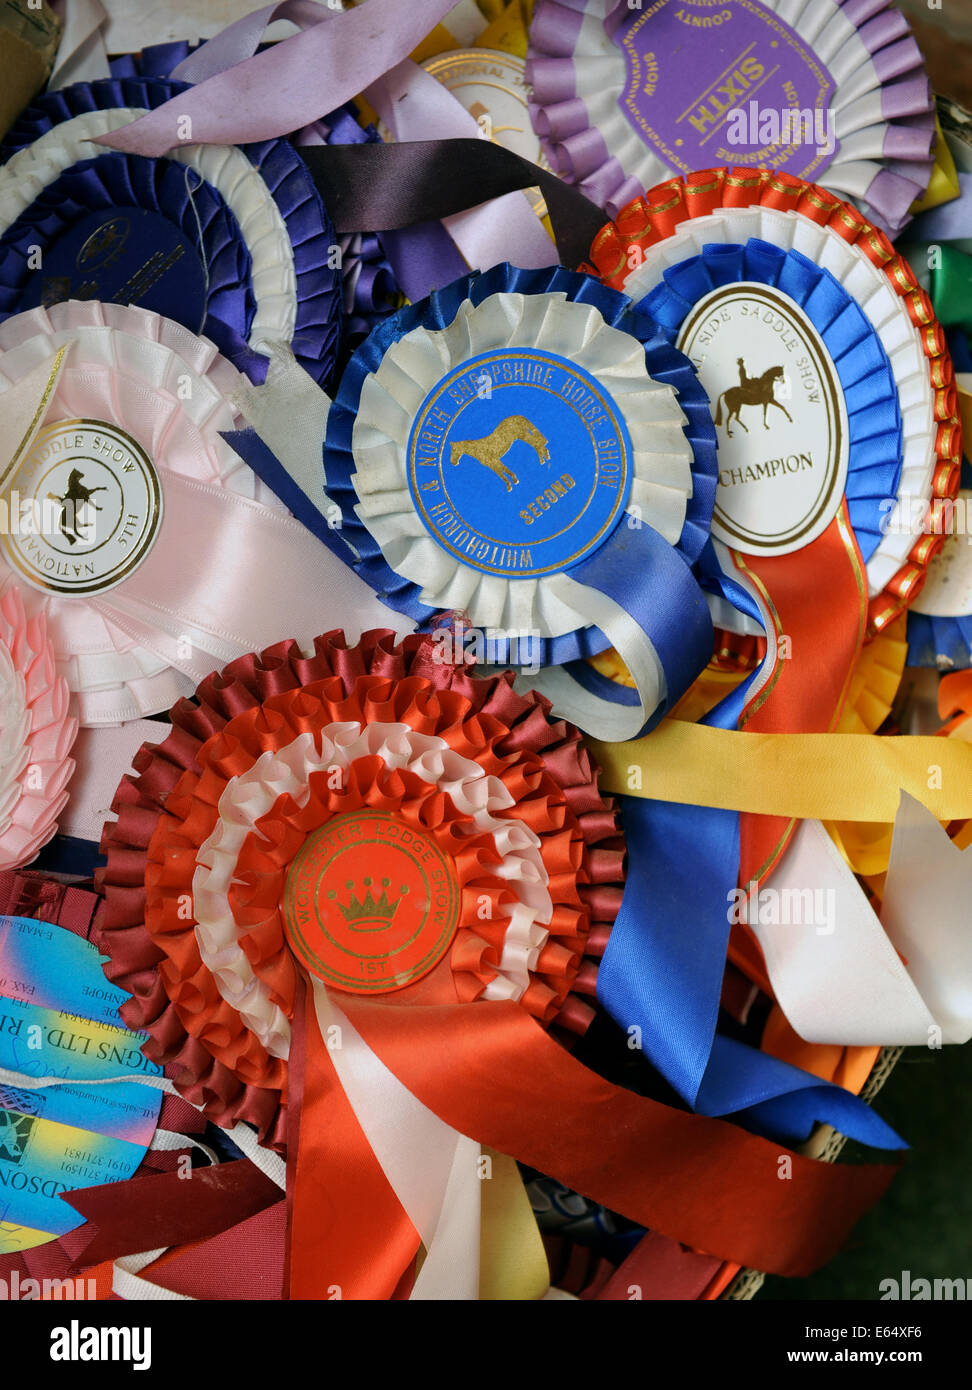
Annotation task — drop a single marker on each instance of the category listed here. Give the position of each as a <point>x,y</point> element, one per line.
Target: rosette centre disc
<point>519,463</point>
<point>370,903</point>
<point>124,256</point>
<point>85,507</point>
<point>780,417</point>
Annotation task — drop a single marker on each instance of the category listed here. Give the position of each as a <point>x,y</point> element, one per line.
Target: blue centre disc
<point>519,463</point>
<point>124,256</point>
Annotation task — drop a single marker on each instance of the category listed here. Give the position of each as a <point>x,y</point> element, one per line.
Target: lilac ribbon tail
<point>287,86</point>
<point>241,39</point>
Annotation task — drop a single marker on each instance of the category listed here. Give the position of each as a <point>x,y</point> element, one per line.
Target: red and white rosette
<point>36,735</point>
<point>372,830</point>
<point>153,550</point>
<point>273,748</point>
<point>359,898</point>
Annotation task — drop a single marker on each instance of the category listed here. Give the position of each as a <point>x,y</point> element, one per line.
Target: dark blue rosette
<point>93,194</point>
<point>246,261</point>
<point>632,569</point>
<point>371,290</point>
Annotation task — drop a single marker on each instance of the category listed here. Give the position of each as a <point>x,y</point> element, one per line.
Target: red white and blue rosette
<point>685,239</point>
<point>233,242</point>
<point>829,90</point>
<point>524,450</point>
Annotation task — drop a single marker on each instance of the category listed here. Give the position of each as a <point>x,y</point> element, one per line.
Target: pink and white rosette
<point>195,557</point>
<point>871,69</point>
<point>36,735</point>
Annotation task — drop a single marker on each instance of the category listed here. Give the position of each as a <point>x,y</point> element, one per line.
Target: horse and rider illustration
<point>752,390</point>
<point>76,497</point>
<point>491,450</point>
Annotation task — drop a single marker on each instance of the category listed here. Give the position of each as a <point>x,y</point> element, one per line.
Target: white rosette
<point>174,395</point>
<point>286,772</point>
<point>866,166</point>
<point>887,315</point>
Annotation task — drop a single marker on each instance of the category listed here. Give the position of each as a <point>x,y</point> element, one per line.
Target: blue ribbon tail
<point>662,973</point>
<point>265,464</point>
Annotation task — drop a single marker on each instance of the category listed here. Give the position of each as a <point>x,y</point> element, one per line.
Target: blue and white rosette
<point>524,450</point>
<point>625,95</point>
<point>850,304</point>
<point>231,242</point>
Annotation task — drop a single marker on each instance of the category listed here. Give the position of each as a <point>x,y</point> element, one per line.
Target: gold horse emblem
<point>491,451</point>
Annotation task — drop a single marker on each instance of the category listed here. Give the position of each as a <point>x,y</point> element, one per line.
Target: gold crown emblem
<point>368,913</point>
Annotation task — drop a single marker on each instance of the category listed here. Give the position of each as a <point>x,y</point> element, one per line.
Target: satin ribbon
<point>413,106</point>
<point>667,983</point>
<point>215,602</point>
<point>950,222</point>
<point>164,1209</point>
<point>512,1260</point>
<point>379,187</point>
<point>432,1169</point>
<point>852,777</point>
<point>411,102</point>
<point>425,255</point>
<point>621,580</point>
<point>103,757</point>
<point>818,599</point>
<point>348,1231</point>
<point>943,185</point>
<point>489,1070</point>
<point>81,55</point>
<point>293,83</point>
<point>24,407</point>
<point>905,979</point>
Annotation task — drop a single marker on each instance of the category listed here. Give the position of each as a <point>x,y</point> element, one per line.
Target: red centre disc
<point>370,904</point>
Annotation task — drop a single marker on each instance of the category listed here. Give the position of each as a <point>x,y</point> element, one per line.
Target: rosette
<point>677,221</point>
<point>395,731</point>
<point>524,450</point>
<point>35,738</point>
<point>822,89</point>
<point>233,242</point>
<point>136,527</point>
<point>371,291</point>
<point>766,281</point>
<point>350,894</point>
